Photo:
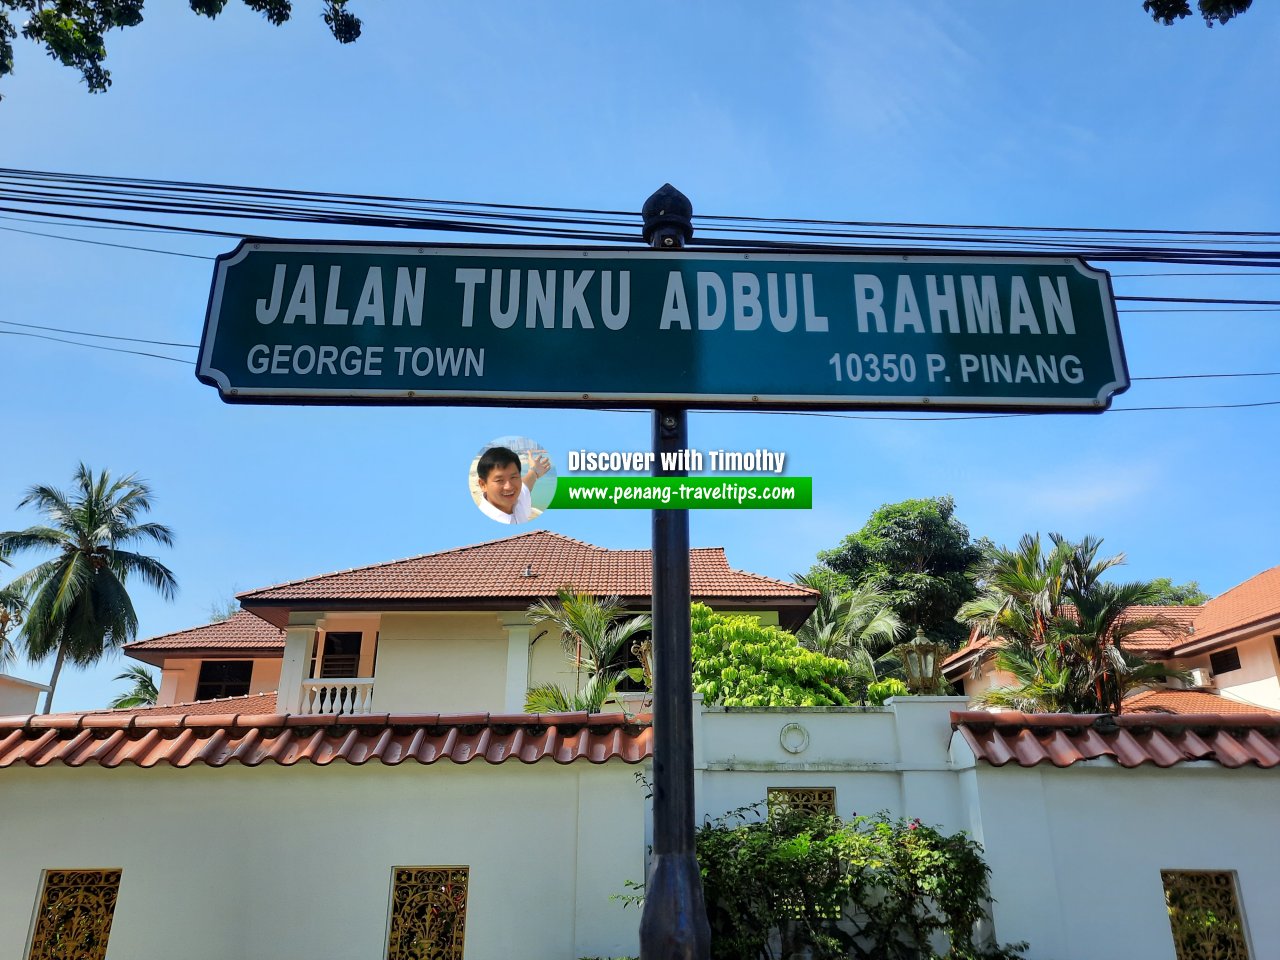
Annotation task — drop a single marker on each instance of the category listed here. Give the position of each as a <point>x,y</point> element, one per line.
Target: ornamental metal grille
<point>802,800</point>
<point>73,920</point>
<point>1204,913</point>
<point>428,913</point>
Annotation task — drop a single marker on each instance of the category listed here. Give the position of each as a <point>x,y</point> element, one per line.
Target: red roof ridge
<point>1130,740</point>
<point>423,556</point>
<point>250,739</point>
<point>111,711</point>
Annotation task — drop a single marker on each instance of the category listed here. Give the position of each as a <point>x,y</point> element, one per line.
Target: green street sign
<point>318,322</point>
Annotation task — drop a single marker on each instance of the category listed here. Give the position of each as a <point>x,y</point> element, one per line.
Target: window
<point>223,678</point>
<point>1224,661</point>
<point>806,800</point>
<point>341,656</point>
<point>73,917</point>
<point>1204,913</point>
<point>428,913</point>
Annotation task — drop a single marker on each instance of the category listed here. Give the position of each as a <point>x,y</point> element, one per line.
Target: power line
<point>177,198</point>
<point>134,186</point>
<point>1209,376</point>
<point>94,346</point>
<point>104,243</point>
<point>105,336</point>
<point>1218,300</point>
<point>1004,416</point>
<point>1200,273</point>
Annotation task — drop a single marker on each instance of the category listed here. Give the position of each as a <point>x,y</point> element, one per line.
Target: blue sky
<point>999,113</point>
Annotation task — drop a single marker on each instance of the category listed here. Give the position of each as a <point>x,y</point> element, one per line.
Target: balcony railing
<point>337,695</point>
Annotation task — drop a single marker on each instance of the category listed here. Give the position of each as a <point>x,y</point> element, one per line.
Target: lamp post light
<point>922,662</point>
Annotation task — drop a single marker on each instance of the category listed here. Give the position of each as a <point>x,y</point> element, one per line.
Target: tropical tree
<point>594,631</point>
<point>1060,627</point>
<point>78,607</point>
<point>12,607</point>
<point>1173,594</point>
<point>919,555</point>
<point>143,693</point>
<point>739,662</point>
<point>851,623</point>
<point>74,31</point>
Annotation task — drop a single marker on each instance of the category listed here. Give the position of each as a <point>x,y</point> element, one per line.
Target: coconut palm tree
<point>13,605</point>
<point>854,624</point>
<point>143,693</point>
<point>78,607</point>
<point>593,632</point>
<point>1060,628</point>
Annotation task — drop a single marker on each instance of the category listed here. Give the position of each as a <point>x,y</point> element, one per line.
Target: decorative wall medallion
<point>794,738</point>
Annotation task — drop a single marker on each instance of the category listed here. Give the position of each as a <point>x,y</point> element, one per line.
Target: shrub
<point>818,886</point>
<point>740,663</point>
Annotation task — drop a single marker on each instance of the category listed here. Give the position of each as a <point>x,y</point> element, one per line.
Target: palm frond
<point>154,573</point>
<point>143,693</point>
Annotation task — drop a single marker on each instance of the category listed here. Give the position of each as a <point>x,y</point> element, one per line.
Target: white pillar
<point>517,627</point>
<point>293,670</point>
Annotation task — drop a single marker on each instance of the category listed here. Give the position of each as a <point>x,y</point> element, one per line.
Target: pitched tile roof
<point>495,570</point>
<point>1255,601</point>
<point>111,740</point>
<point>1130,740</point>
<point>1190,701</point>
<point>1151,642</point>
<point>252,704</point>
<point>240,632</point>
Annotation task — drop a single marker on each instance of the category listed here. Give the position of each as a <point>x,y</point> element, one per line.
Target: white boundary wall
<point>239,863</point>
<point>294,863</point>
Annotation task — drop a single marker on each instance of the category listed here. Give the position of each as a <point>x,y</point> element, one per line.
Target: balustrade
<point>337,695</point>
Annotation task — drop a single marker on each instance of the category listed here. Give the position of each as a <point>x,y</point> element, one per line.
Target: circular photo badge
<point>511,479</point>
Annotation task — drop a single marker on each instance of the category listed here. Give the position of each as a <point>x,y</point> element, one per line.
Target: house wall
<point>18,697</point>
<point>295,863</point>
<point>441,663</point>
<point>1256,680</point>
<point>179,678</point>
<point>1076,853</point>
<point>988,678</point>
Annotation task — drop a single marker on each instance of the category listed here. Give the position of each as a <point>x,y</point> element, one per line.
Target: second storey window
<point>224,678</point>
<point>341,656</point>
<point>1224,661</point>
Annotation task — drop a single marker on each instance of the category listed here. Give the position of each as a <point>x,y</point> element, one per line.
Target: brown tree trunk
<point>53,680</point>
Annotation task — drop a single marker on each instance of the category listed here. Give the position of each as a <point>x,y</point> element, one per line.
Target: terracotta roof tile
<point>1255,601</point>
<point>1130,740</point>
<point>1189,701</point>
<point>144,740</point>
<point>496,570</point>
<point>1151,642</point>
<point>241,631</point>
<point>251,705</point>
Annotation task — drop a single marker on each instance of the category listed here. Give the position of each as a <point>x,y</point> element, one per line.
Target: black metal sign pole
<point>673,925</point>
